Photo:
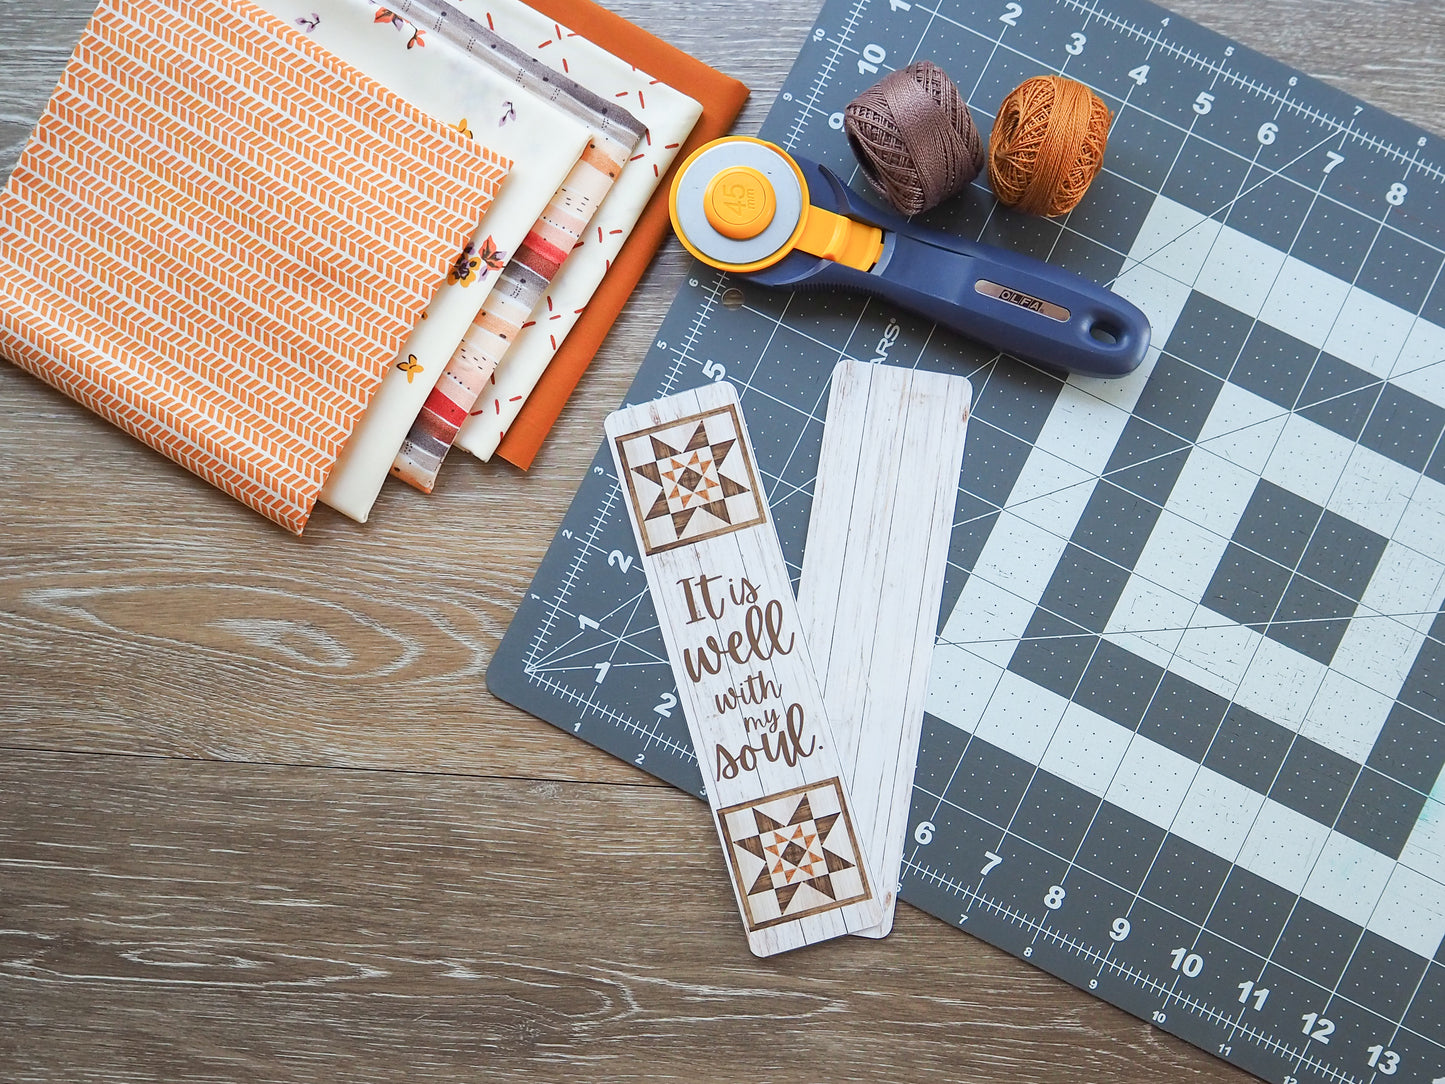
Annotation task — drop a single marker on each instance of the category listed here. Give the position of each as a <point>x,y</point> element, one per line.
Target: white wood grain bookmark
<point>872,583</point>
<point>744,675</point>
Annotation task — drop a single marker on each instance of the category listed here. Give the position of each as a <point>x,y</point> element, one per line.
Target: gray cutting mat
<point>1185,736</point>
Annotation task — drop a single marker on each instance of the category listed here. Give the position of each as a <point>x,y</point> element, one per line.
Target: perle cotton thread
<point>1047,145</point>
<point>914,137</point>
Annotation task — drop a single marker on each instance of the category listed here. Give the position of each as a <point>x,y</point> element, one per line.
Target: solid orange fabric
<point>721,97</point>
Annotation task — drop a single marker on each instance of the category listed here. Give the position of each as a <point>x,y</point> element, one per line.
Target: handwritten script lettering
<point>757,689</point>
<point>760,638</point>
<point>747,629</point>
<point>785,745</point>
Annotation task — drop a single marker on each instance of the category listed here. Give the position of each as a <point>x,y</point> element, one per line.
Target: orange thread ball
<point>1047,145</point>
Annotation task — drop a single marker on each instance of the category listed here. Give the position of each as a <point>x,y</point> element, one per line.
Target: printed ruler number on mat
<point>1222,814</point>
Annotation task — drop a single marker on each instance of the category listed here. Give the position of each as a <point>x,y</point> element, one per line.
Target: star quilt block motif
<point>794,854</point>
<point>691,479</point>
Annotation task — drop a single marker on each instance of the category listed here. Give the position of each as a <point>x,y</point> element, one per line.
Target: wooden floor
<point>260,820</point>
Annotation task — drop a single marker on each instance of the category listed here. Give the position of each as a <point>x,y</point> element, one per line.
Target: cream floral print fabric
<point>615,133</point>
<point>543,143</point>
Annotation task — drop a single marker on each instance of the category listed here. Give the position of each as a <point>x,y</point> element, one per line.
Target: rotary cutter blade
<point>746,206</point>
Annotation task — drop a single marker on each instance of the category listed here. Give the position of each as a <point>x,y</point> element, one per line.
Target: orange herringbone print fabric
<point>219,234</point>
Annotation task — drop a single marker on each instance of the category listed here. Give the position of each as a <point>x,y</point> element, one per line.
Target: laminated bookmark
<point>745,680</point>
<point>872,582</point>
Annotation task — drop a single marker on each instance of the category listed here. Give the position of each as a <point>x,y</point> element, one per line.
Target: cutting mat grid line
<point>974,891</point>
<point>1186,719</point>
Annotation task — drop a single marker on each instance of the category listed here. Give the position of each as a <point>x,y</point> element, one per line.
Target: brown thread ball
<point>914,137</point>
<point>1047,145</point>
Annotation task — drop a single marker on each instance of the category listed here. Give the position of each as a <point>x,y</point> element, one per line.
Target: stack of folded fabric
<point>299,245</point>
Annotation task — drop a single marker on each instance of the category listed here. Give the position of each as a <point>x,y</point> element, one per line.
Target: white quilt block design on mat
<point>1293,565</point>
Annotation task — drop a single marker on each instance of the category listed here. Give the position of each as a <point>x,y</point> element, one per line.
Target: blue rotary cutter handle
<point>746,206</point>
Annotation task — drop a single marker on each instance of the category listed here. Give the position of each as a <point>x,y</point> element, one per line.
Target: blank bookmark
<point>744,675</point>
<point>872,583</point>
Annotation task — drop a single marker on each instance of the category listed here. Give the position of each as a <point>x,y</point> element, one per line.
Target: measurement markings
<point>825,75</point>
<point>1169,996</point>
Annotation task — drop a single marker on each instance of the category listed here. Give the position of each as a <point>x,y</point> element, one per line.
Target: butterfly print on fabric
<point>410,367</point>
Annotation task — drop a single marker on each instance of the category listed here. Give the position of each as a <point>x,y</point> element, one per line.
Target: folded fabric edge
<point>615,133</point>
<point>675,114</point>
<point>722,98</point>
<point>572,293</point>
<point>437,424</point>
<point>350,490</point>
<point>357,477</point>
<point>198,446</point>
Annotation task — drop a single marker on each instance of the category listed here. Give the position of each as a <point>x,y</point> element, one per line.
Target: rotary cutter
<point>746,206</point>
